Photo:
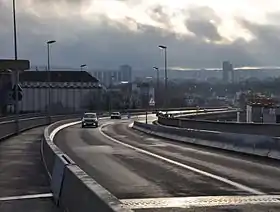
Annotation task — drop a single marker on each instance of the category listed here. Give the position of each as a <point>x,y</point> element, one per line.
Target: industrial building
<point>62,91</point>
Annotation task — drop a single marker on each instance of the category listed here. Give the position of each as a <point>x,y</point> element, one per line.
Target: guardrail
<point>231,127</point>
<point>9,128</point>
<point>259,145</point>
<point>72,188</point>
<point>205,113</point>
<point>8,125</point>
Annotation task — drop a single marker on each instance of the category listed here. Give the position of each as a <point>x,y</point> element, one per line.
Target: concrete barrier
<point>8,128</point>
<point>73,189</point>
<point>230,127</point>
<point>260,145</point>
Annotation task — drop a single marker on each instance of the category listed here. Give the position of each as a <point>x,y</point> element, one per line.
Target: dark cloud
<point>107,44</point>
<point>201,22</point>
<point>266,44</point>
<point>203,29</point>
<point>159,14</point>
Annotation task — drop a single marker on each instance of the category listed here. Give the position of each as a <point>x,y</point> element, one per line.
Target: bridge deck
<point>23,181</point>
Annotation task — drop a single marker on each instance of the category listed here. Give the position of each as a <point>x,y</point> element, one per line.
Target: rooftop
<point>57,76</point>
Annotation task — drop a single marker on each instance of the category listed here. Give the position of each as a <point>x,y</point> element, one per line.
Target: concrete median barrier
<point>230,127</point>
<point>260,145</point>
<point>9,128</point>
<point>81,193</point>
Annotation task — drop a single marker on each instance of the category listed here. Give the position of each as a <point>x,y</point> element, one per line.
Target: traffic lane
<point>130,174</point>
<point>255,172</point>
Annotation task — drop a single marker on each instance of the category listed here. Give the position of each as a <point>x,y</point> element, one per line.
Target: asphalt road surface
<point>133,165</point>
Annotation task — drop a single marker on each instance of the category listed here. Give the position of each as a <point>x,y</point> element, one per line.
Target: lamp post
<point>16,71</point>
<point>165,74</point>
<point>157,93</point>
<point>110,93</point>
<point>81,89</point>
<point>49,77</point>
<point>48,48</point>
<point>82,66</point>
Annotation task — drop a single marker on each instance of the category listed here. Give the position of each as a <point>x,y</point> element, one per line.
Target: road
<point>133,165</point>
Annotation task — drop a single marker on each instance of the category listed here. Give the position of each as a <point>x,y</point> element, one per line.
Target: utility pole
<point>16,71</point>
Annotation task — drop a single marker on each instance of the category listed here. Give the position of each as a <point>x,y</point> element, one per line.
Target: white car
<point>90,119</point>
<point>116,115</point>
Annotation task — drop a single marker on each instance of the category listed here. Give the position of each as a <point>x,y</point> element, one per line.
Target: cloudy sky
<point>107,33</point>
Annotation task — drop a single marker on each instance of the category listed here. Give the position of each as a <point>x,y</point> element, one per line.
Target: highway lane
<point>254,172</point>
<point>131,174</point>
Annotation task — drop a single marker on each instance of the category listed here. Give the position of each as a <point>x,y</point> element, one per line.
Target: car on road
<point>159,113</point>
<point>116,115</point>
<point>89,119</point>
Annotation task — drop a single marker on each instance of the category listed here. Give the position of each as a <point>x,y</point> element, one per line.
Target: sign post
<point>151,104</point>
<point>15,66</point>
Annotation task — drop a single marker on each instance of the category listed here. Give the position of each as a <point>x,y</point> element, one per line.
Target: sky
<point>107,33</point>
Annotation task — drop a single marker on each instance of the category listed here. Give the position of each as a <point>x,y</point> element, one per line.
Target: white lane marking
<point>56,130</point>
<point>213,176</point>
<point>31,196</point>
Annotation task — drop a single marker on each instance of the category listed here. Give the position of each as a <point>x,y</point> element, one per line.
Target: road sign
<point>19,88</point>
<point>15,64</point>
<point>19,93</point>
<point>152,102</point>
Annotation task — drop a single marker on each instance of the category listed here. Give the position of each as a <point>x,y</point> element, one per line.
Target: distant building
<point>262,110</point>
<point>126,73</point>
<point>227,71</point>
<point>69,90</point>
<point>109,77</point>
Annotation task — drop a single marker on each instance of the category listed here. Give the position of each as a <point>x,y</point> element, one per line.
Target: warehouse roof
<point>57,76</point>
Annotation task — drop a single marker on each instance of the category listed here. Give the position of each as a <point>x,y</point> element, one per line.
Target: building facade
<point>67,91</point>
<point>228,74</point>
<point>109,77</point>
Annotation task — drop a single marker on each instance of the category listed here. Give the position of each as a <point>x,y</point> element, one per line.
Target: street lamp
<point>157,92</point>
<point>110,93</point>
<point>81,88</point>
<point>49,76</point>
<point>48,47</point>
<point>82,66</point>
<point>165,73</point>
<point>16,71</point>
<point>15,29</point>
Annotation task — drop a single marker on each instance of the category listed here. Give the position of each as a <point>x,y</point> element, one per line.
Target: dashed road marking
<point>31,196</point>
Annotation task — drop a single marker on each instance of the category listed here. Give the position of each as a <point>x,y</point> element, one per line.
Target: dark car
<point>116,115</point>
<point>90,119</point>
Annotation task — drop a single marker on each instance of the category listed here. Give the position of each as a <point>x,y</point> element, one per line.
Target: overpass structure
<point>116,167</point>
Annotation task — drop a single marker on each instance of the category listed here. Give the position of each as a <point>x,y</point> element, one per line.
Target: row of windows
<point>58,85</point>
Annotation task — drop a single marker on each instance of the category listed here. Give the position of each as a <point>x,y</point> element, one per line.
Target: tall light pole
<point>157,93</point>
<point>165,75</point>
<point>15,29</point>
<point>81,89</point>
<point>16,71</point>
<point>48,48</point>
<point>49,76</point>
<point>110,93</point>
<point>82,66</point>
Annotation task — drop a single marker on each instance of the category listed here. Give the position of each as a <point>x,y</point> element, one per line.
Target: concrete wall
<point>265,146</point>
<point>233,127</point>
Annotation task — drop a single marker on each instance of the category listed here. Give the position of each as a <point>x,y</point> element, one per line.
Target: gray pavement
<point>24,185</point>
<point>129,174</point>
